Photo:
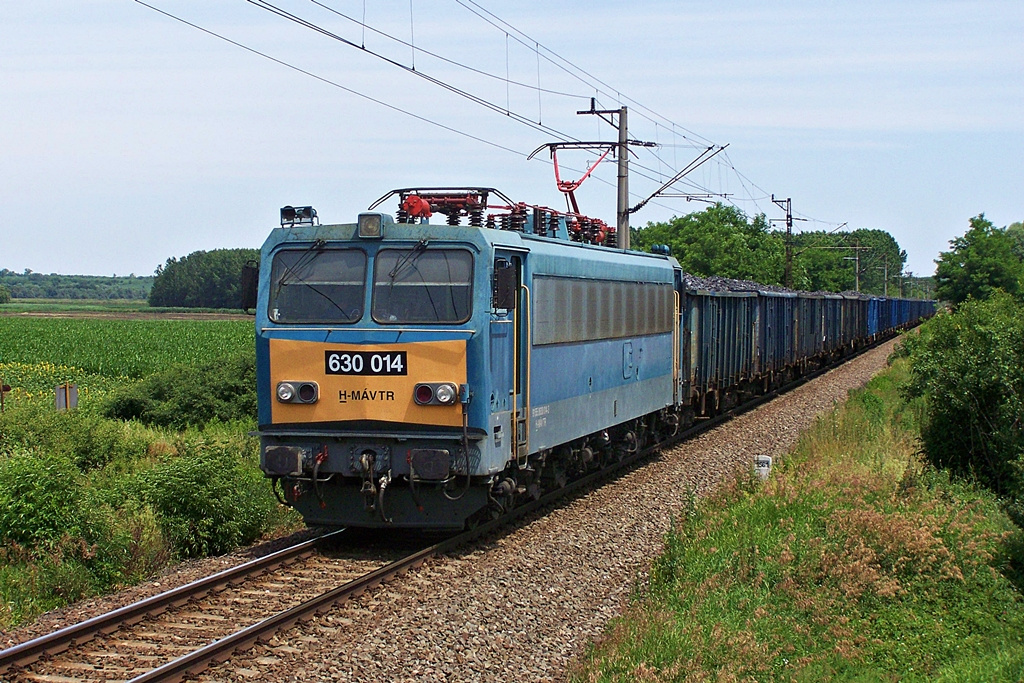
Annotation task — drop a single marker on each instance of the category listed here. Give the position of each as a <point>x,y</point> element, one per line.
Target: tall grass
<point>855,561</point>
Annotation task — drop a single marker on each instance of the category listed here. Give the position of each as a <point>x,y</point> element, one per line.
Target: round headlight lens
<point>307,392</point>
<point>285,392</point>
<point>423,394</point>
<point>445,394</point>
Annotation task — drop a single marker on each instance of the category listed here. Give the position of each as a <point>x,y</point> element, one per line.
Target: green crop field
<point>97,354</point>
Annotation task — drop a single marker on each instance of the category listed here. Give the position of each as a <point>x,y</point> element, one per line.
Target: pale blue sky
<point>127,137</point>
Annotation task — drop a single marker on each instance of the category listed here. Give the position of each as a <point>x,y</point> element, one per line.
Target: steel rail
<point>105,624</point>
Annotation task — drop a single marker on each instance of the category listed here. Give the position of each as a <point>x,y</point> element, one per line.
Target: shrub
<point>136,547</point>
<point>88,439</point>
<point>180,397</point>
<point>42,500</point>
<point>969,366</point>
<point>210,499</point>
<point>29,588</point>
<point>40,578</point>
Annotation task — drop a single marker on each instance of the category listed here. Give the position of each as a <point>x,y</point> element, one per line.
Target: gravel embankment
<point>521,607</point>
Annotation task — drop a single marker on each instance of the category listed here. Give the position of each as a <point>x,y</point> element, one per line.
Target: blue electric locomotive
<point>422,375</point>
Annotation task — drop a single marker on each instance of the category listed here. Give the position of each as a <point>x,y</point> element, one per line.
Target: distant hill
<point>30,285</point>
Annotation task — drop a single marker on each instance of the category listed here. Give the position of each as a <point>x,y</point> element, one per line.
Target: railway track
<point>200,623</point>
<point>131,642</point>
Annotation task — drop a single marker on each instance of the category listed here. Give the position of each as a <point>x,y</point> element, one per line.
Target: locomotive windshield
<point>421,285</point>
<point>317,285</point>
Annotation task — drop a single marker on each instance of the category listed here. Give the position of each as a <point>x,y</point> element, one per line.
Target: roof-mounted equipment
<point>298,215</point>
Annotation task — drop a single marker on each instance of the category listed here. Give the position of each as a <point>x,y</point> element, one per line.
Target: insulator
<point>553,225</point>
<point>504,220</point>
<point>402,216</point>
<point>454,217</point>
<point>540,226</point>
<point>518,219</point>
<point>490,221</point>
<point>476,216</point>
<point>572,226</point>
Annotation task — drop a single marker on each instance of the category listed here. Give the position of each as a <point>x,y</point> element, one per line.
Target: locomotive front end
<point>364,346</point>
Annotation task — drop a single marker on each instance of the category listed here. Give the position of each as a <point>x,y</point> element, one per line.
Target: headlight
<point>423,394</point>
<point>285,392</point>
<point>435,394</point>
<point>298,392</point>
<point>307,392</point>
<point>371,225</point>
<point>445,394</point>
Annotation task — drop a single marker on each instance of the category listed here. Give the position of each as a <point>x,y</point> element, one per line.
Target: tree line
<point>722,240</point>
<point>202,279</point>
<point>32,285</point>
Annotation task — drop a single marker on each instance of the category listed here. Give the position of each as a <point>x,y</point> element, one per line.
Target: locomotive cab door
<point>510,352</point>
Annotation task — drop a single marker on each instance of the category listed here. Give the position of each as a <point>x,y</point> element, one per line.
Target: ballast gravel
<point>521,607</point>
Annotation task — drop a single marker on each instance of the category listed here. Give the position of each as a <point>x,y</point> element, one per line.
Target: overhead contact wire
<point>593,79</point>
<point>273,9</point>
<point>480,72</point>
<point>335,84</point>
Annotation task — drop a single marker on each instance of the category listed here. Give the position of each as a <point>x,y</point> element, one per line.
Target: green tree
<point>721,241</point>
<point>980,262</point>
<point>203,279</point>
<point>1016,231</point>
<point>5,295</point>
<point>881,263</point>
<point>819,263</point>
<point>829,261</point>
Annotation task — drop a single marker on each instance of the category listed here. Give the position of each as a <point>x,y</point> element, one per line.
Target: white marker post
<point>763,466</point>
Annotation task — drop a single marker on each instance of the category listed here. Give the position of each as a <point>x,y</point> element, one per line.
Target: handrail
<point>676,362</point>
<point>526,380</point>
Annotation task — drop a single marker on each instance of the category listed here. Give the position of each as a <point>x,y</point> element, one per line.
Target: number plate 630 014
<point>365,363</point>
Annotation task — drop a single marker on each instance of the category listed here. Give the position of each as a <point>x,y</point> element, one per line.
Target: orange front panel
<point>387,397</point>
